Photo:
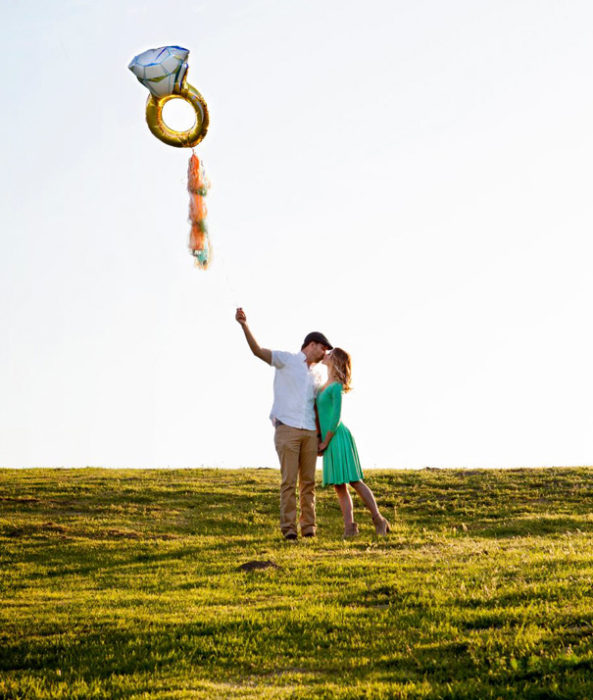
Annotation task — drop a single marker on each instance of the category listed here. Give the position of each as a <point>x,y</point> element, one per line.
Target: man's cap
<point>316,337</point>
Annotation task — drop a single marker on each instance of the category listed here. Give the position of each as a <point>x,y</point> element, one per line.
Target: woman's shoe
<point>382,527</point>
<point>350,530</point>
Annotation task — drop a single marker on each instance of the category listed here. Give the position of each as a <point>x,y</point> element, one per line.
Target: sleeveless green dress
<point>340,460</point>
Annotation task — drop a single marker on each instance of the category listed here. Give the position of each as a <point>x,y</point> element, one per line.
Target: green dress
<point>340,460</point>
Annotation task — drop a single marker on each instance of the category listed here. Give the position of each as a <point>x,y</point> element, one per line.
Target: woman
<point>341,465</point>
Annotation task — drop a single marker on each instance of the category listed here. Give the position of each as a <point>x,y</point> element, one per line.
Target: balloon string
<point>229,286</point>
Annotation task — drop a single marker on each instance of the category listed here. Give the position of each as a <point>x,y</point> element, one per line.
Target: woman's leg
<point>345,503</point>
<point>367,497</point>
<point>381,525</point>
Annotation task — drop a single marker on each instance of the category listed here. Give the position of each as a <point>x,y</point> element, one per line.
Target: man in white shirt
<point>295,423</point>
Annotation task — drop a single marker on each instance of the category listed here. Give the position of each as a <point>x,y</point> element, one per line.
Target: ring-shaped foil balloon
<point>181,139</point>
<point>164,72</point>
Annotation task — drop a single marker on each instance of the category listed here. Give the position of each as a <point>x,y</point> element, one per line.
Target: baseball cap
<point>316,337</point>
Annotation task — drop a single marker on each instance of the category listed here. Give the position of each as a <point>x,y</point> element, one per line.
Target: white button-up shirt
<point>295,388</point>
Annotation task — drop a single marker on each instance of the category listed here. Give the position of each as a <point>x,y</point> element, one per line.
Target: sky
<point>411,178</point>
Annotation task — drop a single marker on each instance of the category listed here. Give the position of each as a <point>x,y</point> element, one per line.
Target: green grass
<point>126,584</point>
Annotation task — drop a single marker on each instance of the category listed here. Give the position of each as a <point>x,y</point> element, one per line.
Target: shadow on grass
<point>209,650</point>
<point>531,526</point>
<point>498,526</point>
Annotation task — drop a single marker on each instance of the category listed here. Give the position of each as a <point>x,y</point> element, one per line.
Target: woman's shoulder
<point>330,387</point>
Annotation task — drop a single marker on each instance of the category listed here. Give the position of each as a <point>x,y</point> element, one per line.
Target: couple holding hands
<point>306,418</point>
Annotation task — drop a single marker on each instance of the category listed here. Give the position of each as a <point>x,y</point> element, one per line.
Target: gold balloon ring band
<point>181,139</point>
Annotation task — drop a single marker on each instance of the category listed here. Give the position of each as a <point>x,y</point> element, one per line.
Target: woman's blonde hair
<point>342,367</point>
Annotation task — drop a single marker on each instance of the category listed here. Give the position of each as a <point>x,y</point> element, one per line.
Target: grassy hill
<point>128,584</point>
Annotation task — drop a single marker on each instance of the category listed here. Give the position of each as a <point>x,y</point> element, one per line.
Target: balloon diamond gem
<point>161,70</point>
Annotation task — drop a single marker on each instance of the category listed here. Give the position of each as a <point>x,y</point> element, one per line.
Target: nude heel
<point>382,527</point>
<point>350,530</point>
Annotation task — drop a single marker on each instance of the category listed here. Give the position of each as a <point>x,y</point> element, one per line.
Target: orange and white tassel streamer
<point>198,185</point>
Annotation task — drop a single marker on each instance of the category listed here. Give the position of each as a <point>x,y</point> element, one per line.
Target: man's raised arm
<point>262,353</point>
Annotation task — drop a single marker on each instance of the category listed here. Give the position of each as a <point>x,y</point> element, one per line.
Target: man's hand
<point>240,316</point>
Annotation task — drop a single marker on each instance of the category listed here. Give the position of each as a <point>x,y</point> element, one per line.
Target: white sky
<point>413,178</point>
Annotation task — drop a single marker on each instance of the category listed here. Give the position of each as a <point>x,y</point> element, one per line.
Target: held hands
<point>240,316</point>
<point>322,444</point>
<point>321,447</point>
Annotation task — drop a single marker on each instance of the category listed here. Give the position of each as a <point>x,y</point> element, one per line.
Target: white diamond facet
<point>161,70</point>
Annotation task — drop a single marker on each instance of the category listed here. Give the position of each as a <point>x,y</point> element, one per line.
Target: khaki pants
<point>297,451</point>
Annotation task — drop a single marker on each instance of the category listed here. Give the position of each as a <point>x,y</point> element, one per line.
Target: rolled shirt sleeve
<point>279,358</point>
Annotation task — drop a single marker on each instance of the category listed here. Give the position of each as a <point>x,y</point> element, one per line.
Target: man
<point>294,420</point>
